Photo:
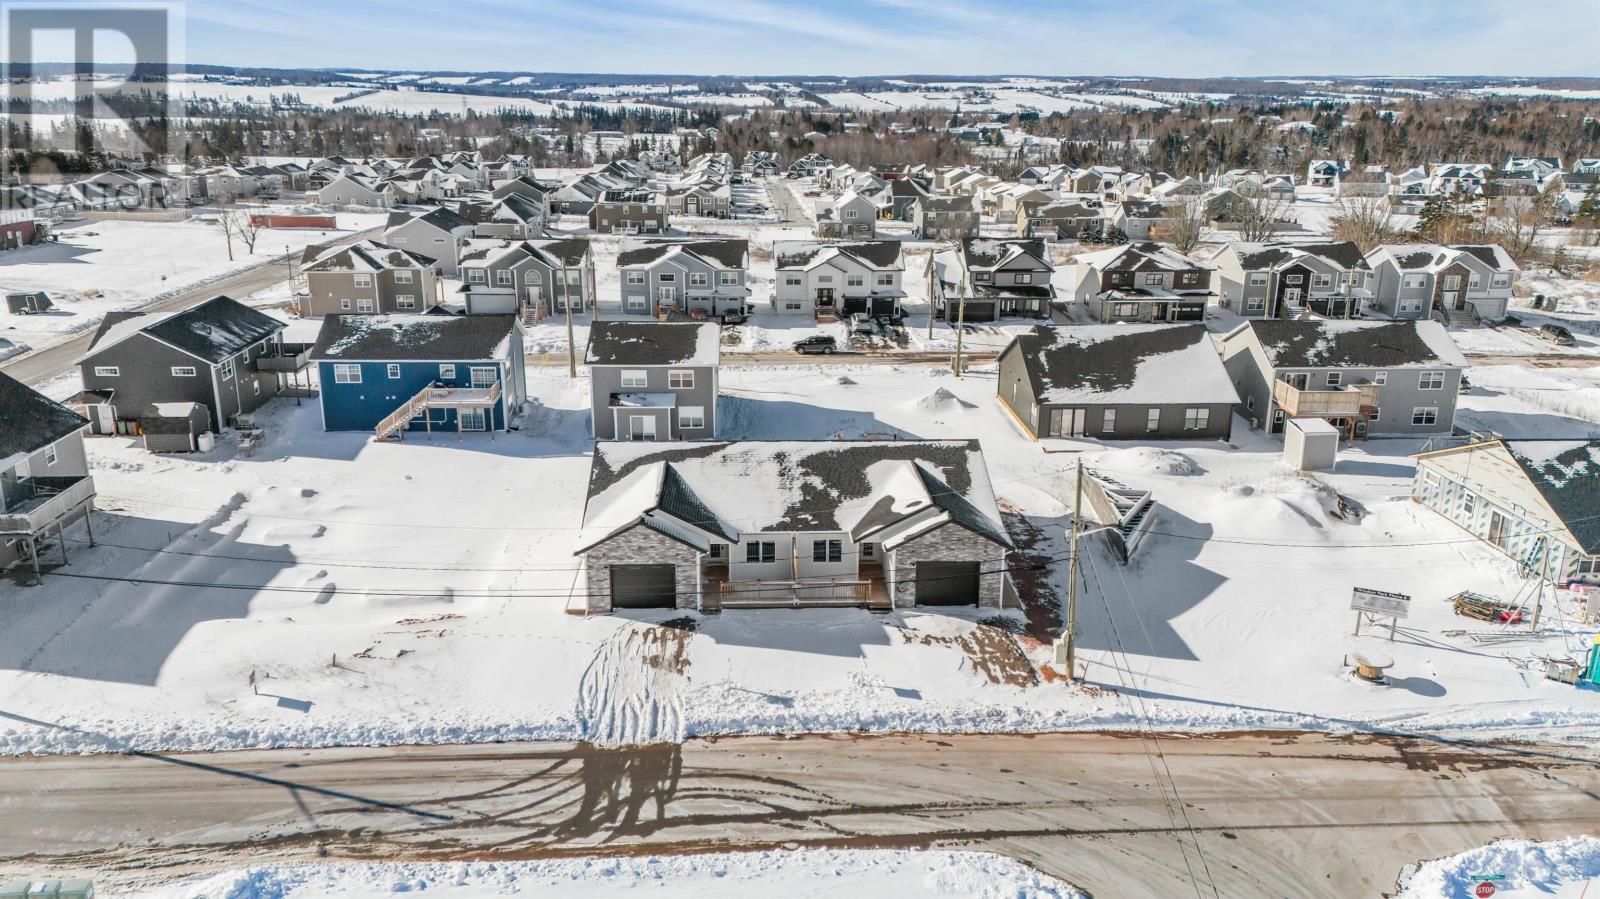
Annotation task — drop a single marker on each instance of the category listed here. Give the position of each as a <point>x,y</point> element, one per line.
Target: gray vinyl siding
<point>423,237</point>
<point>326,290</point>
<point>605,380</point>
<point>145,376</point>
<point>71,461</point>
<point>606,218</point>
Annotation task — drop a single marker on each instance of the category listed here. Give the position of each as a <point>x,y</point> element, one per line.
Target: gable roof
<point>33,421</point>
<point>1309,343</point>
<point>991,253</point>
<point>1144,256</point>
<point>804,253</point>
<point>654,343</point>
<point>440,217</point>
<point>212,331</point>
<point>1567,474</point>
<point>1342,254</point>
<point>726,252</point>
<point>1138,364</point>
<point>416,338</point>
<point>367,256</point>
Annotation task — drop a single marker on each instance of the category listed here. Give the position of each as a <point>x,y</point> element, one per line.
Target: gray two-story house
<point>823,278</point>
<point>1462,284</point>
<point>1367,378</point>
<point>1142,282</point>
<point>944,217</point>
<point>682,275</point>
<point>986,279</point>
<point>653,380</point>
<point>44,471</point>
<point>367,277</point>
<point>438,233</point>
<point>1118,382</point>
<point>633,211</point>
<point>1284,280</point>
<point>221,354</point>
<point>531,278</point>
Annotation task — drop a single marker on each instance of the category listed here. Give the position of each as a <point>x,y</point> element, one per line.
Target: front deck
<point>868,590</point>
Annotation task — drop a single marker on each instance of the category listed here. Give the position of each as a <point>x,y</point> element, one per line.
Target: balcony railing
<point>287,359</point>
<point>1343,402</point>
<point>32,504</point>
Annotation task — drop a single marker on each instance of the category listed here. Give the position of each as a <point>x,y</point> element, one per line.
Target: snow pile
<point>1290,500</point>
<point>941,400</point>
<point>713,876</point>
<point>1144,460</point>
<point>1548,869</point>
<point>9,348</point>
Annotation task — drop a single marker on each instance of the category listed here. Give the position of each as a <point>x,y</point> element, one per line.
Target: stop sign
<point>1485,890</point>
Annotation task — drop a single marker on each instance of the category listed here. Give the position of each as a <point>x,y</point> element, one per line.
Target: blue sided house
<point>396,373</point>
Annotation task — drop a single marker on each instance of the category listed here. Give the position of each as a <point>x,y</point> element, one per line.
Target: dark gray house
<point>1118,382</point>
<point>654,380</point>
<point>44,471</point>
<point>999,279</point>
<point>220,354</point>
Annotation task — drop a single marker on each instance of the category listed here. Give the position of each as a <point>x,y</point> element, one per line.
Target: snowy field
<point>1522,869</point>
<point>99,267</point>
<point>327,590</point>
<point>779,875</point>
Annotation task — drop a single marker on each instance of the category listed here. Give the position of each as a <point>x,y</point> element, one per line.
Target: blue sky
<point>857,37</point>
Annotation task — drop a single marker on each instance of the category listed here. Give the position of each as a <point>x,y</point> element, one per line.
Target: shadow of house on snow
<point>116,614</point>
<point>752,418</point>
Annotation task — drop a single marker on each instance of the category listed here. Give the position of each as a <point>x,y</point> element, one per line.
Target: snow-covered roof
<point>415,338</point>
<point>803,254</point>
<point>654,343</point>
<point>729,489</point>
<point>1144,256</point>
<point>212,331</point>
<point>1133,364</point>
<point>1311,343</point>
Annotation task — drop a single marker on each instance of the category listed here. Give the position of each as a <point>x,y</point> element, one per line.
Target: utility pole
<point>932,252</point>
<point>1070,631</point>
<point>961,312</point>
<point>566,300</point>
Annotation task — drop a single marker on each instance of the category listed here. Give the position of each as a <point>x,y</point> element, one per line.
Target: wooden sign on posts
<point>1376,606</point>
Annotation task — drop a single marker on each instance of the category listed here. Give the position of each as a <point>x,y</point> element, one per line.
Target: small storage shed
<point>1310,444</point>
<point>174,427</point>
<point>30,302</point>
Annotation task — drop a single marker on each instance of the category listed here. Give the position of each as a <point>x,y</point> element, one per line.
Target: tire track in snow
<point>631,692</point>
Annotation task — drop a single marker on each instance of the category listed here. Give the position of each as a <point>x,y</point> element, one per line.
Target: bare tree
<point>1186,224</point>
<point>238,224</point>
<point>249,229</point>
<point>1261,219</point>
<point>1364,221</point>
<point>228,222</point>
<point>1519,225</point>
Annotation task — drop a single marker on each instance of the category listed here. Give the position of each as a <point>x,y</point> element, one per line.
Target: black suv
<point>816,343</point>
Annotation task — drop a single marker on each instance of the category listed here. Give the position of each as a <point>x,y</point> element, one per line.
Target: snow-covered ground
<point>98,267</point>
<point>327,590</point>
<point>1518,869</point>
<point>776,874</point>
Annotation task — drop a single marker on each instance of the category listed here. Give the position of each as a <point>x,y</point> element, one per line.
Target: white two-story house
<point>822,278</point>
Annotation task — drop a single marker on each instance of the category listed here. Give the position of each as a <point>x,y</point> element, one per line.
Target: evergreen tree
<point>1431,219</point>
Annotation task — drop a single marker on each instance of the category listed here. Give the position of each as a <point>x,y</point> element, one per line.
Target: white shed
<point>1310,444</point>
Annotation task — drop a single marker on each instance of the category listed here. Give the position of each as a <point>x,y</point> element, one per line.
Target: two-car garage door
<point>947,583</point>
<point>644,586</point>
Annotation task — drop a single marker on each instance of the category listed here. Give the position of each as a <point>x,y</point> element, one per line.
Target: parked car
<point>860,323</point>
<point>735,317</point>
<point>1557,335</point>
<point>816,343</point>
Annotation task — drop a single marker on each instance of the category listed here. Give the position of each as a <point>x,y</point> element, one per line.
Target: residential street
<point>1261,814</point>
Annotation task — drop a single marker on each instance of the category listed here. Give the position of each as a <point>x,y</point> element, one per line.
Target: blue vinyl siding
<point>359,407</point>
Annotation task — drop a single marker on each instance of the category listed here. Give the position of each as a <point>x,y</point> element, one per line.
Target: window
<point>692,417</point>
<point>50,455</point>
<point>106,371</point>
<point>667,277</point>
<point>885,279</point>
<point>849,213</point>
<point>1452,282</point>
<point>1196,419</point>
<point>1425,415</point>
<point>1292,279</point>
<point>827,550</point>
<point>1335,379</point>
<point>502,277</point>
<point>1321,280</point>
<point>792,305</point>
<point>728,277</point>
<point>699,279</point>
<point>402,276</point>
<point>475,276</point>
<point>1414,281</point>
<point>1254,304</point>
<point>1380,378</point>
<point>635,377</point>
<point>1109,422</point>
<point>635,277</point>
<point>1376,412</point>
<point>1473,283</point>
<point>1250,403</point>
<point>365,305</point>
<point>363,280</point>
<point>405,301</point>
<point>760,551</point>
<point>635,304</point>
<point>344,305</point>
<point>1500,281</point>
<point>1124,309</point>
<point>854,281</point>
<point>394,371</point>
<point>346,373</point>
<point>824,279</point>
<point>484,376</point>
<point>1430,380</point>
<point>183,371</point>
<point>535,277</point>
<point>1152,420</point>
<point>793,280</point>
<point>1152,279</point>
<point>680,380</point>
<point>1024,278</point>
<point>1258,279</point>
<point>226,369</point>
<point>447,371</point>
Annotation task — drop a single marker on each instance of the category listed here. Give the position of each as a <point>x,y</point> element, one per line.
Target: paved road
<point>1271,814</point>
<point>1535,360</point>
<point>42,365</point>
<point>784,202</point>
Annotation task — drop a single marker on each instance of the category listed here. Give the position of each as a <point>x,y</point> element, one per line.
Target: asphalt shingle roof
<point>32,420</point>
<point>1568,479</point>
<point>653,343</point>
<point>425,338</point>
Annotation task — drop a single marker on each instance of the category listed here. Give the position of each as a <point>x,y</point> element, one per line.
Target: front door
<point>1292,295</point>
<point>1497,529</point>
<point>105,418</point>
<point>641,427</point>
<point>666,296</point>
<point>1298,381</point>
<point>1454,299</point>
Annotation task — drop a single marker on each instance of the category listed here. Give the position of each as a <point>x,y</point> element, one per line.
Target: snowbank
<point>1562,869</point>
<point>978,875</point>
